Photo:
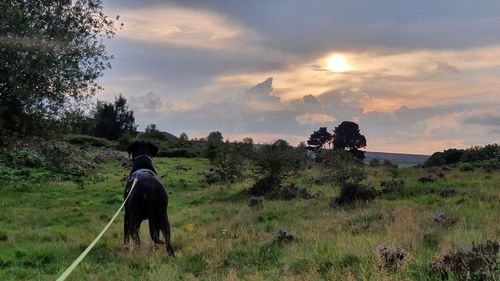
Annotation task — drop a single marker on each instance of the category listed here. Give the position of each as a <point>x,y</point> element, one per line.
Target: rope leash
<point>72,267</point>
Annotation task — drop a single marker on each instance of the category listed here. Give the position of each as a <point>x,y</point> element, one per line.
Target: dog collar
<point>144,155</point>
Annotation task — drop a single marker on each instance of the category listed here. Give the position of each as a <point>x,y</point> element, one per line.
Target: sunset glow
<point>338,63</point>
<point>193,68</point>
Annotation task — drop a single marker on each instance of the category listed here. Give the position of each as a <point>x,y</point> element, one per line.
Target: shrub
<point>256,202</point>
<point>436,159</point>
<point>390,256</point>
<point>124,141</point>
<point>467,168</point>
<point>284,235</point>
<point>274,162</point>
<point>287,192</point>
<point>392,186</point>
<point>374,162</point>
<point>264,185</point>
<point>353,192</point>
<point>21,157</point>
<point>88,140</point>
<point>470,263</point>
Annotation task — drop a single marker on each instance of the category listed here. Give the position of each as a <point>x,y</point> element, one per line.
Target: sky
<point>417,76</point>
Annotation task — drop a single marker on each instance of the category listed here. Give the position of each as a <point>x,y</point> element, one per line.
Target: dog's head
<point>142,147</point>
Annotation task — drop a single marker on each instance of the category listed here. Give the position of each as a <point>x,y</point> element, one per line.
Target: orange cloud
<point>182,27</point>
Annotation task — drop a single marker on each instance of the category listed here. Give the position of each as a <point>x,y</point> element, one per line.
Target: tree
<point>347,137</point>
<point>50,52</point>
<point>183,137</point>
<point>319,138</point>
<point>114,120</point>
<point>151,132</point>
<point>214,146</point>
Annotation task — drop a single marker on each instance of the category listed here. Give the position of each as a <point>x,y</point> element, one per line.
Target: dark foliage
<point>284,235</point>
<point>256,202</point>
<point>288,192</point>
<point>390,256</point>
<point>436,159</point>
<point>470,263</point>
<point>88,140</point>
<point>394,185</point>
<point>215,145</point>
<point>469,155</point>
<point>353,192</point>
<point>274,162</point>
<point>50,52</point>
<point>347,136</point>
<point>446,192</point>
<point>426,179</point>
<point>114,120</point>
<point>319,138</point>
<point>151,132</point>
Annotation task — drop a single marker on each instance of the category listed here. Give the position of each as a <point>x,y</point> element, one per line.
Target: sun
<point>338,63</point>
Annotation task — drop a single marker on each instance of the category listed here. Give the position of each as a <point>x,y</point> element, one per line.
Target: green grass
<point>44,226</point>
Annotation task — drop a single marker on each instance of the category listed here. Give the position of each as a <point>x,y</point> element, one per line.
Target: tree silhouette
<point>319,138</point>
<point>114,120</point>
<point>347,137</point>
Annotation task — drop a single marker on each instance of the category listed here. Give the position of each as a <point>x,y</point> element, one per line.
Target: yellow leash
<point>72,267</point>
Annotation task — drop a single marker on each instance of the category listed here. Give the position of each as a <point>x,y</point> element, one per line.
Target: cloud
<point>205,65</point>
<point>262,92</point>
<point>310,99</point>
<point>445,67</point>
<point>315,118</point>
<point>486,119</point>
<point>173,25</point>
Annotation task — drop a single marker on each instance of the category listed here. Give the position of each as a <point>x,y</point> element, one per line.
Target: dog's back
<point>148,197</point>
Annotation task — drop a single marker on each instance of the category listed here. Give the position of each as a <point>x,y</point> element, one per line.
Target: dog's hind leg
<point>126,230</point>
<point>154,230</point>
<point>165,229</point>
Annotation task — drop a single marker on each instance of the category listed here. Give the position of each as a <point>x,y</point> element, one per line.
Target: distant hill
<point>399,158</point>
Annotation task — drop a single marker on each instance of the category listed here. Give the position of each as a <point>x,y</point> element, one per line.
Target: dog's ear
<point>153,149</point>
<point>131,148</point>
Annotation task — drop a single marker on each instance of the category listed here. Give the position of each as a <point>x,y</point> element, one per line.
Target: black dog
<point>148,199</point>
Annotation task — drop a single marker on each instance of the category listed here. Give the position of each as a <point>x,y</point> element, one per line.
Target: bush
<point>265,185</point>
<point>287,192</point>
<point>21,157</point>
<point>88,140</point>
<point>374,162</point>
<point>392,186</point>
<point>436,159</point>
<point>353,192</point>
<point>390,256</point>
<point>274,162</point>
<point>467,168</point>
<point>470,263</point>
<point>124,141</point>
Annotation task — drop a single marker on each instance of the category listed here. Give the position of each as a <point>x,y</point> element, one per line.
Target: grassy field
<point>44,226</point>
